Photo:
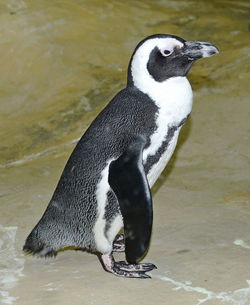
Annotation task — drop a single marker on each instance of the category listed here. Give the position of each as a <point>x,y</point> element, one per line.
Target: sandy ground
<point>59,70</point>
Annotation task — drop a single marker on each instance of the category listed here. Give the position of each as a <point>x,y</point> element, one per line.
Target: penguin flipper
<point>128,180</point>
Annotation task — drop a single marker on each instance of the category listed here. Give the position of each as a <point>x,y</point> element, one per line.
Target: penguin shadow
<point>184,135</point>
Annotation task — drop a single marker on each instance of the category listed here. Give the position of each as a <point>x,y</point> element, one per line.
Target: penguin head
<point>163,56</point>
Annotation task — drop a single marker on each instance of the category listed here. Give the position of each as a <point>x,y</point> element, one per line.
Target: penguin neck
<point>174,95</point>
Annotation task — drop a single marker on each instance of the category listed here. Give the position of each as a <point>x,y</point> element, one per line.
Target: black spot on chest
<point>153,159</point>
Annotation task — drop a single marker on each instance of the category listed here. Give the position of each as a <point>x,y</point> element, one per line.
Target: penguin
<point>105,185</point>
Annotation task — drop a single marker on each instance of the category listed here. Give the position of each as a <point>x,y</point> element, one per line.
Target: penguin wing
<point>128,180</point>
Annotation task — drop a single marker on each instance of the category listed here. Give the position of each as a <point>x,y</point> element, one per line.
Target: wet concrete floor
<point>61,62</point>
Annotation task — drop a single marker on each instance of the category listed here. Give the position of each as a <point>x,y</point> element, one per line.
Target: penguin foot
<point>124,269</point>
<point>144,267</point>
<point>119,245</point>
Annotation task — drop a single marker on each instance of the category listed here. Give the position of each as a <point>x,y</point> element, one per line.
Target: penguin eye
<point>166,52</point>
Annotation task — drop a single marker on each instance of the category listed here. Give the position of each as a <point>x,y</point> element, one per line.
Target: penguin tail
<point>33,246</point>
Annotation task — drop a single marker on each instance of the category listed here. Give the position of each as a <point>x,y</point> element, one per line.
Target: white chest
<point>174,100</point>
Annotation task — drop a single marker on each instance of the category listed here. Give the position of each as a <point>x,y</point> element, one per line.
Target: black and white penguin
<point>106,182</point>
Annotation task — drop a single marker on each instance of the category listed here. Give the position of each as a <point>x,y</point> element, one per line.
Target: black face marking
<point>129,77</point>
<point>162,67</point>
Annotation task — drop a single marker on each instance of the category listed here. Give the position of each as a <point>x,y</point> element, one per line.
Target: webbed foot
<point>125,269</point>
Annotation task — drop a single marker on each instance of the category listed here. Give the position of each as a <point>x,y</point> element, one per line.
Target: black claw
<point>144,276</point>
<point>151,266</point>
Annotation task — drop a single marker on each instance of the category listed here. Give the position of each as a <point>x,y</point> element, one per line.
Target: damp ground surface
<point>61,62</point>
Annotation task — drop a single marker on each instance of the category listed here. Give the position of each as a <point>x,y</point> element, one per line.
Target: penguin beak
<point>198,49</point>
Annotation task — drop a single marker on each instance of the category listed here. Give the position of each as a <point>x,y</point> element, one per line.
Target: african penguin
<point>105,185</point>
